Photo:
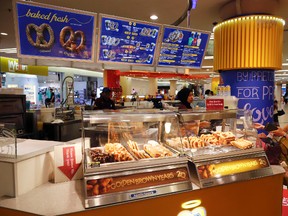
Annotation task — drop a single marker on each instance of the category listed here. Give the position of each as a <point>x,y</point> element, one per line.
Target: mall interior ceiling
<point>204,16</point>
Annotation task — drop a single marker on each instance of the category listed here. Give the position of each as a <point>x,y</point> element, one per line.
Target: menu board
<point>45,31</point>
<point>127,41</point>
<point>183,47</point>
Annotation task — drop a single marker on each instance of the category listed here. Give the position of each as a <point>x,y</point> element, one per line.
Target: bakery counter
<point>261,196</point>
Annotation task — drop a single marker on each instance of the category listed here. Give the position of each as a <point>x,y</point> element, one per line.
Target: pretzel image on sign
<point>70,44</point>
<point>40,40</point>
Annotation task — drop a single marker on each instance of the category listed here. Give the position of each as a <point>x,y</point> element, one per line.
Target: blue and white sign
<point>183,47</point>
<point>255,90</point>
<point>49,32</point>
<point>127,41</point>
<point>143,194</point>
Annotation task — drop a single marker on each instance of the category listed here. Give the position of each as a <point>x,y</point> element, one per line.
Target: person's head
<point>51,90</point>
<point>106,92</point>
<point>207,92</point>
<point>185,95</point>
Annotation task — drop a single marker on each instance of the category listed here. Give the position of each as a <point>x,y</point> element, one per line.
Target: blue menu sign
<point>127,41</point>
<point>47,32</point>
<point>183,47</point>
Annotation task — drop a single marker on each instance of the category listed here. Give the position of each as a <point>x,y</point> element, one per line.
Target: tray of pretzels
<point>109,153</point>
<point>206,143</point>
<point>151,149</point>
<point>191,142</point>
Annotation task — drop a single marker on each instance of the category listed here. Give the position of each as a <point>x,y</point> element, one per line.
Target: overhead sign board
<point>45,31</point>
<point>183,47</point>
<point>124,40</point>
<point>11,65</point>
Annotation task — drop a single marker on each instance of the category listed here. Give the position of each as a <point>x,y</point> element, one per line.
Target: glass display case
<point>222,147</point>
<point>126,156</point>
<point>135,154</point>
<point>8,140</point>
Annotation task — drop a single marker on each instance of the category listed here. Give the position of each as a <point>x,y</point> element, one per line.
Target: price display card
<point>126,41</point>
<point>182,47</point>
<point>50,32</point>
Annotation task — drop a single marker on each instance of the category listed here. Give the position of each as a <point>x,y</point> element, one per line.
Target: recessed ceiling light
<point>8,50</point>
<point>209,57</point>
<point>3,33</point>
<point>153,17</point>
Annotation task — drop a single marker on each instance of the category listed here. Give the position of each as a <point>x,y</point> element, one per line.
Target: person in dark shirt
<point>104,101</point>
<point>93,97</point>
<point>50,100</point>
<point>277,112</point>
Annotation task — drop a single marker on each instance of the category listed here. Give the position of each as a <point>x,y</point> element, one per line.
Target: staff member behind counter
<point>193,127</point>
<point>185,96</point>
<point>104,101</point>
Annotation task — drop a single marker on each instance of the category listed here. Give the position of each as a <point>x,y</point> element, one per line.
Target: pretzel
<point>70,44</point>
<point>40,40</point>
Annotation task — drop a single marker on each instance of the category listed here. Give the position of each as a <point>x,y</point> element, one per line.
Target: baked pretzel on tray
<point>70,44</point>
<point>40,41</point>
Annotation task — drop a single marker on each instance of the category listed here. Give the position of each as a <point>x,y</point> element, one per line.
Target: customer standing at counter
<point>104,101</point>
<point>185,95</point>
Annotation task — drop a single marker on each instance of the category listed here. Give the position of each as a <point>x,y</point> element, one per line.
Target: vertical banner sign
<point>183,47</point>
<point>285,202</point>
<point>67,162</point>
<point>255,90</point>
<point>113,78</point>
<point>127,41</point>
<point>45,31</point>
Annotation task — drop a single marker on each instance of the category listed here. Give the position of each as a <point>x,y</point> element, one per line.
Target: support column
<point>153,86</point>
<point>247,50</point>
<point>173,87</point>
<point>278,93</point>
<point>111,79</point>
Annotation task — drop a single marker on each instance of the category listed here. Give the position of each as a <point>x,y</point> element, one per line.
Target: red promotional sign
<point>285,203</point>
<point>69,158</point>
<point>214,104</point>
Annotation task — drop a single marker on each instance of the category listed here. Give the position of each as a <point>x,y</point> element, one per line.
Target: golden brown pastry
<point>242,143</point>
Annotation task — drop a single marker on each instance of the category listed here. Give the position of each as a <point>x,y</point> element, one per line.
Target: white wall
<point>22,79</point>
<point>80,86</point>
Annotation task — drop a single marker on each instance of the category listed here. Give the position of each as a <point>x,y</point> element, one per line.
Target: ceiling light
<point>212,36</point>
<point>207,66</point>
<point>4,33</point>
<point>209,57</point>
<point>9,50</point>
<point>285,64</point>
<point>153,17</point>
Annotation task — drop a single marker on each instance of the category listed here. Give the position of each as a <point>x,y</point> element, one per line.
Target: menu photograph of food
<point>127,41</point>
<point>183,47</point>
<point>45,31</point>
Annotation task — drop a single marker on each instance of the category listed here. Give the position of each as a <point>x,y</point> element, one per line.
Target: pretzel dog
<point>40,40</point>
<point>70,44</point>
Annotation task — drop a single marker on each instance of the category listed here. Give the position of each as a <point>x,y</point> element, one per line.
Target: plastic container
<point>47,114</point>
